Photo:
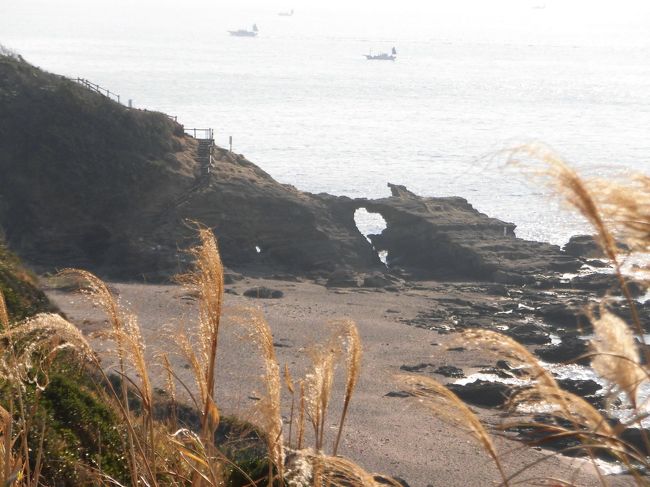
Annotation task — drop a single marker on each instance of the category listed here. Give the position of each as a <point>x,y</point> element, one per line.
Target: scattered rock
<point>561,314</point>
<point>503,277</point>
<point>263,292</point>
<point>230,277</point>
<point>392,481</point>
<point>580,387</point>
<point>586,246</point>
<point>529,334</point>
<point>568,350</point>
<point>482,393</point>
<point>583,246</point>
<point>444,370</point>
<point>378,280</point>
<point>416,368</point>
<point>502,374</point>
<point>450,371</point>
<point>343,278</point>
<point>397,394</point>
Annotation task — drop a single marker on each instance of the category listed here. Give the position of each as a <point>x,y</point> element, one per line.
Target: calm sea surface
<point>303,103</point>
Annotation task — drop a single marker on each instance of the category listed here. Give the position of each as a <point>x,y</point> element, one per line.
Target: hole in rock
<point>371,224</point>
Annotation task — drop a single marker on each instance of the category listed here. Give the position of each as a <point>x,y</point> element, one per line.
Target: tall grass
<point>160,452</point>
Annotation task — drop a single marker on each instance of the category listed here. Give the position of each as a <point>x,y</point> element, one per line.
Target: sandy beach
<point>386,434</point>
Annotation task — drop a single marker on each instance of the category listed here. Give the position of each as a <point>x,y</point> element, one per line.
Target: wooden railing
<point>201,134</point>
<point>99,89</point>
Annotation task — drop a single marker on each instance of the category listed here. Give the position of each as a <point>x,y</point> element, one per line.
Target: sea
<point>472,80</point>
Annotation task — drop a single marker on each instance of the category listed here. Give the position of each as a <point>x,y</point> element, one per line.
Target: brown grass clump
<point>28,350</point>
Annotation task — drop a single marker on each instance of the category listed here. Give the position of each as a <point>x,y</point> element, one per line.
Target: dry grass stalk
<point>508,349</point>
<point>301,416</point>
<point>447,406</point>
<point>289,383</point>
<point>564,405</point>
<point>270,407</point>
<point>207,281</point>
<point>330,471</point>
<point>130,348</point>
<point>575,190</point>
<point>626,207</point>
<point>9,465</point>
<point>318,386</point>
<point>40,337</point>
<point>616,356</point>
<point>353,349</point>
<point>603,205</point>
<point>4,313</point>
<point>171,388</point>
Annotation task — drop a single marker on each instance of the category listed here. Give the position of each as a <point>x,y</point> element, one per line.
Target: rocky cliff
<point>90,183</point>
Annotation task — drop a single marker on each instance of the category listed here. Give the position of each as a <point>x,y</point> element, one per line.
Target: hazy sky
<point>625,22</point>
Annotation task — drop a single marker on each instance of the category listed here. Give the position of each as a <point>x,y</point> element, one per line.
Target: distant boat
<point>245,33</point>
<point>286,14</point>
<point>384,56</point>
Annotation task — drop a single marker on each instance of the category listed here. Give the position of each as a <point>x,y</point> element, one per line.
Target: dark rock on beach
<point>344,278</point>
<point>444,370</point>
<point>583,246</point>
<point>263,292</point>
<point>580,387</point>
<point>482,393</point>
<point>529,334</point>
<point>568,350</point>
<point>586,246</point>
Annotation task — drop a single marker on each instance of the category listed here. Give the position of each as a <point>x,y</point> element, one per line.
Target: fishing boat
<point>245,33</point>
<point>286,14</point>
<point>384,56</point>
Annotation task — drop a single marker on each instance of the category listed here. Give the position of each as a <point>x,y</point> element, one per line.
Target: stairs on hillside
<point>204,155</point>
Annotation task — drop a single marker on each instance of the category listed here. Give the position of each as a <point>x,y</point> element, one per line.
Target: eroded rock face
<point>448,238</point>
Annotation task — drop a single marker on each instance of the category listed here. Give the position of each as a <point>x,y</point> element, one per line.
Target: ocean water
<point>300,100</point>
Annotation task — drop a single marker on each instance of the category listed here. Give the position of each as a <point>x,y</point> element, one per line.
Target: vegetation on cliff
<point>19,287</point>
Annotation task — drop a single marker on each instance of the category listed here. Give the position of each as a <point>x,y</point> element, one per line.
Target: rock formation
<point>90,183</point>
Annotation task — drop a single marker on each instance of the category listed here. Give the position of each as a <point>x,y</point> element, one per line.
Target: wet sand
<point>390,435</point>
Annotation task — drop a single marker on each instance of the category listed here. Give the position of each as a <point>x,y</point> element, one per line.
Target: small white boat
<point>286,14</point>
<point>384,56</point>
<point>245,33</point>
